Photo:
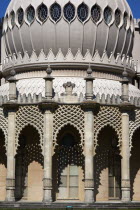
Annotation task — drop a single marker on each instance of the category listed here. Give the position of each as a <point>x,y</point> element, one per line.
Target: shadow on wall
<point>106,159</point>
<point>29,158</point>
<point>135,166</point>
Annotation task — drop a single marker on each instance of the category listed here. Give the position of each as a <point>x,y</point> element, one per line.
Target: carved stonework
<point>29,115</point>
<point>47,183</point>
<point>68,114</point>
<point>89,183</point>
<point>125,183</point>
<point>10,183</point>
<point>134,124</point>
<point>4,125</point>
<point>107,116</point>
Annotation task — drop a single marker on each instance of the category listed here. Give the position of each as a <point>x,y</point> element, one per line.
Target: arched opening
<point>29,166</point>
<point>3,166</point>
<point>107,166</point>
<point>68,166</point>
<point>135,166</point>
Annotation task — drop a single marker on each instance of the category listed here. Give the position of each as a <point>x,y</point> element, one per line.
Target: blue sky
<point>134,4</point>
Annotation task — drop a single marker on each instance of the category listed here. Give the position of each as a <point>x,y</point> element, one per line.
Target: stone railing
<point>101,99</point>
<point>22,61</point>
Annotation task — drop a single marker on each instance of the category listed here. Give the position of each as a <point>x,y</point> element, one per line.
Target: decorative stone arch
<point>63,126</point>
<point>69,114</point>
<point>22,128</point>
<point>107,116</point>
<point>4,126</point>
<point>29,115</point>
<point>134,124</point>
<point>132,133</point>
<point>100,129</point>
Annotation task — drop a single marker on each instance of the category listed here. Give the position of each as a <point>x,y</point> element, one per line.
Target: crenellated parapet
<point>22,62</point>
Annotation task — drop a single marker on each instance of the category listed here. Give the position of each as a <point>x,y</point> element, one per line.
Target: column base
<point>126,195</point>
<point>47,197</point>
<point>10,190</point>
<point>89,195</point>
<point>10,196</point>
<point>126,190</point>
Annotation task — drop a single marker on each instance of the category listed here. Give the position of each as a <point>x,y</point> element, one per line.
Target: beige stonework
<point>2,182</point>
<point>103,187</point>
<point>35,183</point>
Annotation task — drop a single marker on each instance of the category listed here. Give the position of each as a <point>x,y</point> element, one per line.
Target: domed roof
<point>102,25</point>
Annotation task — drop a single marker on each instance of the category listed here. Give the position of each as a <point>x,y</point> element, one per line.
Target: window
<point>12,18</point>
<point>69,12</point>
<point>117,17</point>
<point>114,171</point>
<point>20,15</point>
<point>30,14</point>
<point>55,12</point>
<point>82,12</point>
<point>96,13</point>
<point>107,15</point>
<point>125,20</point>
<point>69,183</point>
<point>42,13</point>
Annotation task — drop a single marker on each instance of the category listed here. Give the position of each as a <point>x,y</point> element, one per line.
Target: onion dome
<point>36,25</point>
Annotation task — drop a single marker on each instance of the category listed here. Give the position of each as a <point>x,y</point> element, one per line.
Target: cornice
<point>105,63</point>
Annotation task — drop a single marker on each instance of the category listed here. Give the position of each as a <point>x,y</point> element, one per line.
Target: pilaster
<point>10,180</point>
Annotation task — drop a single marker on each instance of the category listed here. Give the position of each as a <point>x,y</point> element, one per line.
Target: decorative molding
<point>29,115</point>
<point>22,62</point>
<point>107,116</point>
<point>4,125</point>
<point>68,115</point>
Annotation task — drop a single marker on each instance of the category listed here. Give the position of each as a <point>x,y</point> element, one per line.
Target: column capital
<point>126,106</point>
<point>90,106</point>
<point>48,105</point>
<point>11,106</point>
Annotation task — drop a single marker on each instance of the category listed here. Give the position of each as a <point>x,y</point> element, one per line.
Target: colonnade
<point>89,107</point>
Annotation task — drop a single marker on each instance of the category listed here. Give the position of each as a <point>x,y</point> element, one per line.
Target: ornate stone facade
<point>69,111</point>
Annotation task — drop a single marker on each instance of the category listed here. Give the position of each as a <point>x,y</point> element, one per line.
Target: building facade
<point>70,102</point>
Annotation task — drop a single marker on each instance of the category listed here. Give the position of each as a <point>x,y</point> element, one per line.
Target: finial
<point>89,71</point>
<point>49,70</point>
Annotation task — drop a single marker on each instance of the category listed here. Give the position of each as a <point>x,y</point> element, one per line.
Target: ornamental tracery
<point>68,115</point>
<point>42,12</point>
<point>134,124</point>
<point>96,13</point>
<point>117,17</point>
<point>12,18</point>
<point>69,12</point>
<point>125,20</point>
<point>55,12</point>
<point>107,15</point>
<point>107,116</point>
<point>30,14</point>
<point>29,115</point>
<point>4,125</point>
<point>82,12</point>
<point>20,16</point>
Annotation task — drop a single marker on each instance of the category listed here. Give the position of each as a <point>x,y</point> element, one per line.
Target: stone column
<point>11,106</point>
<point>89,159</point>
<point>125,162</point>
<point>10,181</point>
<point>48,105</point>
<point>48,147</point>
<point>89,107</point>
